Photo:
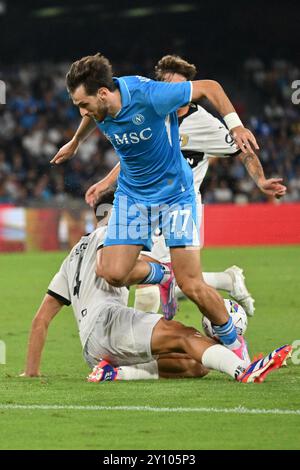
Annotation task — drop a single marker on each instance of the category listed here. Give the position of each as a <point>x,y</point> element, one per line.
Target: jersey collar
<point>125,94</point>
<point>192,109</point>
<point>125,97</point>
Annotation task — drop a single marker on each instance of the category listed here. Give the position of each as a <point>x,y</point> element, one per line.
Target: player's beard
<point>101,112</point>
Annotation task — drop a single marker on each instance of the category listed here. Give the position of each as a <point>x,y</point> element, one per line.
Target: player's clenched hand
<point>93,192</point>
<point>273,187</point>
<point>244,139</point>
<point>66,152</point>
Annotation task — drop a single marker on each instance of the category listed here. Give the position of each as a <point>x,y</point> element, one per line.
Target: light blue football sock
<point>156,274</point>
<point>227,334</point>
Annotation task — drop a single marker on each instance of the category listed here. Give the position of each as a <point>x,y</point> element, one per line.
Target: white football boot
<point>240,292</point>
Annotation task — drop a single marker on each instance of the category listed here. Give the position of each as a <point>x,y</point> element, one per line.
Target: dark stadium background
<point>219,36</point>
<point>251,48</point>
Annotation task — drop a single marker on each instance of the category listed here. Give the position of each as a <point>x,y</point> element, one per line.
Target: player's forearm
<point>85,128</point>
<point>253,167</point>
<point>112,176</point>
<point>38,334</point>
<point>36,345</point>
<point>214,92</point>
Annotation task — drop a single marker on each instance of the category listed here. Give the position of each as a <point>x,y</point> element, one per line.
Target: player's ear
<point>102,93</point>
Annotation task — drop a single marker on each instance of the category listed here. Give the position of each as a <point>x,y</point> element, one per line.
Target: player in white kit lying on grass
<point>202,136</point>
<point>114,336</point>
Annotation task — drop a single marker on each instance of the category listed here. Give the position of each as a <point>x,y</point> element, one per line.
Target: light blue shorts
<point>134,223</point>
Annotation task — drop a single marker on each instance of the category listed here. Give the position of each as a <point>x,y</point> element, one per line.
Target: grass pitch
<point>210,413</point>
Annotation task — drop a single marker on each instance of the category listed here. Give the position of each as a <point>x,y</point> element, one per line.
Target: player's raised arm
<point>38,334</point>
<point>213,91</point>
<point>85,128</point>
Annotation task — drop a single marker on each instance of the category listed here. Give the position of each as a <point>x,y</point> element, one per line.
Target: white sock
<point>217,357</point>
<point>179,294</point>
<point>146,371</point>
<point>147,299</point>
<point>222,280</point>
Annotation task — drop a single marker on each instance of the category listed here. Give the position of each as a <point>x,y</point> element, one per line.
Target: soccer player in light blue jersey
<point>155,185</point>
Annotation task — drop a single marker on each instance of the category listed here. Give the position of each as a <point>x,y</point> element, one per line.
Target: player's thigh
<point>121,335</point>
<point>168,337</point>
<point>186,264</point>
<point>119,258</point>
<point>129,224</point>
<point>176,366</point>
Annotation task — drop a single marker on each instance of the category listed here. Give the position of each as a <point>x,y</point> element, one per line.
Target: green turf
<point>273,276</point>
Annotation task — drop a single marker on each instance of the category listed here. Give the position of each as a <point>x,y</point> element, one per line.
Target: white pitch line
<point>237,410</point>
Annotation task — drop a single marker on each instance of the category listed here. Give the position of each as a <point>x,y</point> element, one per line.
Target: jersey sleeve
<point>168,97</point>
<point>59,287</point>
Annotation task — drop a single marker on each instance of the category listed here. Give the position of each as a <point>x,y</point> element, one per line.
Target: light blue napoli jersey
<point>146,138</point>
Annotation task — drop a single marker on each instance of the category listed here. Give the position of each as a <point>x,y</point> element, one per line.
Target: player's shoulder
<point>90,241</point>
<point>98,235</point>
<point>192,114</point>
<point>135,81</point>
<point>197,108</point>
<point>198,113</point>
<point>93,239</point>
<point>136,89</point>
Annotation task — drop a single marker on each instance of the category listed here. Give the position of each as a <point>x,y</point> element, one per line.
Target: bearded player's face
<point>95,106</point>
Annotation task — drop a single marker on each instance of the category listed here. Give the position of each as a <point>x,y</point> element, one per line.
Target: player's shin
<point>219,358</point>
<point>146,371</point>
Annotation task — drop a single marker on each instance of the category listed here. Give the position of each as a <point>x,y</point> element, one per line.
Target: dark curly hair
<point>93,72</point>
<point>174,64</point>
<point>104,203</point>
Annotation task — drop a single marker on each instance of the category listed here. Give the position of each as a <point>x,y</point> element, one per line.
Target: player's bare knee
<point>198,370</point>
<point>113,276</point>
<point>116,279</point>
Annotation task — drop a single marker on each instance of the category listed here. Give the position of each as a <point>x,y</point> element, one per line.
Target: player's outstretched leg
<point>173,336</point>
<point>168,337</point>
<point>171,366</point>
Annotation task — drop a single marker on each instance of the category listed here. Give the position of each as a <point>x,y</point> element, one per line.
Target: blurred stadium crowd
<point>39,117</point>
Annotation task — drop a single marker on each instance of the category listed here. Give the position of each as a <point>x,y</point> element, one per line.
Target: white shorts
<point>160,252</point>
<point>121,336</point>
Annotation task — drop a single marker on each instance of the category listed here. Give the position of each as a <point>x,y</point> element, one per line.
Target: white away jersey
<point>76,283</point>
<point>203,136</point>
